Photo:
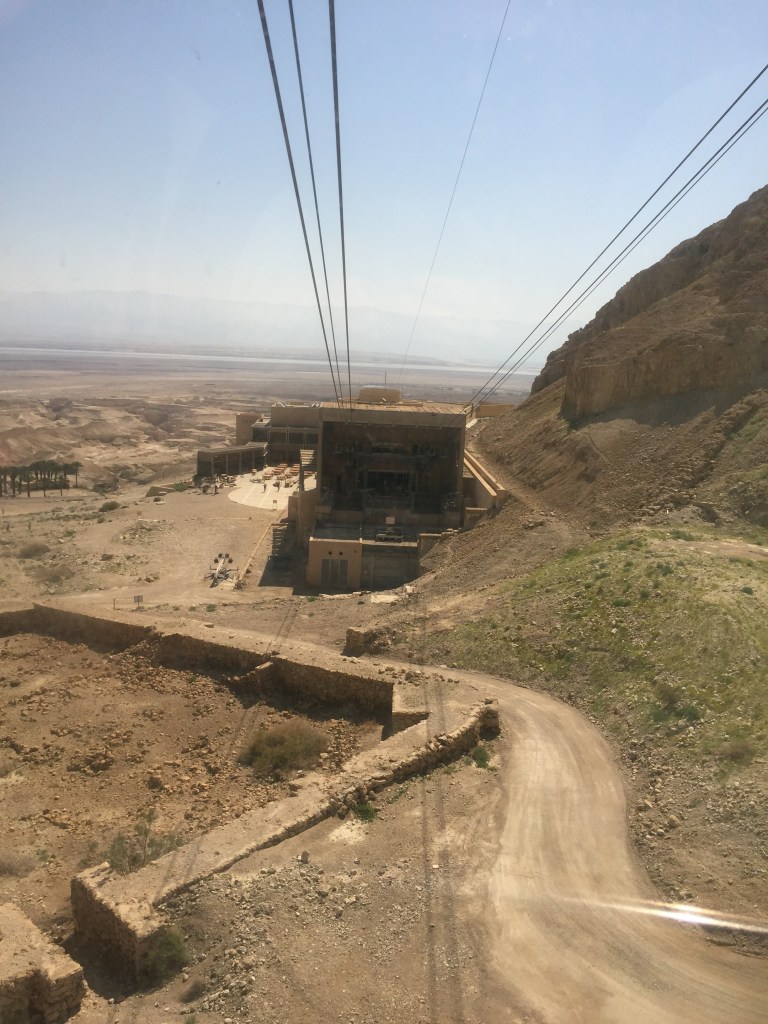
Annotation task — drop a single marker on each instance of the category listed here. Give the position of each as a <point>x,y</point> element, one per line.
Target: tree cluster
<point>44,475</point>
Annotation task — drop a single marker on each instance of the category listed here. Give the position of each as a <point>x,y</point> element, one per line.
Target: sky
<point>142,149</point>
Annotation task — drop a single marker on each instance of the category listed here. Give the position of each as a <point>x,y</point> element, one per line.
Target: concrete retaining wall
<point>488,492</point>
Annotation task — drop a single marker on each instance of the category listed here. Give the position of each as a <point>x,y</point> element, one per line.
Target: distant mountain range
<point>142,319</point>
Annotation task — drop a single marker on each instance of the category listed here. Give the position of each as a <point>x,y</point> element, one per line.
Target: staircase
<point>283,542</point>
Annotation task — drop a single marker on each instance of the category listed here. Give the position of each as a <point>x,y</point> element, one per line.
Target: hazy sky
<point>141,148</point>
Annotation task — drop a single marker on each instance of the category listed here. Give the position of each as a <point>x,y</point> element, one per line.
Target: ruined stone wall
<point>16,620</point>
<point>335,685</point>
<point>435,720</point>
<point>182,650</point>
<point>122,934</point>
<point>38,982</point>
<point>124,914</point>
<point>188,650</point>
<point>115,631</point>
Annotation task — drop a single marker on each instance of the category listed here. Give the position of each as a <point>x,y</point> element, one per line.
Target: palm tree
<point>73,467</point>
<point>51,469</point>
<point>25,477</point>
<point>38,468</point>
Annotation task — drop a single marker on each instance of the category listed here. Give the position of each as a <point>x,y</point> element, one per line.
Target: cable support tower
<point>286,139</point>
<point>334,68</point>
<point>701,173</point>
<point>453,191</point>
<point>314,187</point>
<point>630,221</point>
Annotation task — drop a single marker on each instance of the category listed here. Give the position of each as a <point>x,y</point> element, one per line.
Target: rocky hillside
<point>661,402</point>
<point>697,320</point>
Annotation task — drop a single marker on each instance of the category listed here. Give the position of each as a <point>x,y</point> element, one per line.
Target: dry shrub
<point>737,750</point>
<point>16,863</point>
<point>53,573</point>
<point>193,990</point>
<point>278,749</point>
<point>36,549</point>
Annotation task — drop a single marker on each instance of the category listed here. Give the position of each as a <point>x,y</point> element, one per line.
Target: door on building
<point>334,573</point>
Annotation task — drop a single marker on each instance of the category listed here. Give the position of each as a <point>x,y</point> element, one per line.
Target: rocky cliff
<point>695,321</point>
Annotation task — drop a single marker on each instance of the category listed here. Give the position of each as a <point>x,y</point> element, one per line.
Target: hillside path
<point>571,934</point>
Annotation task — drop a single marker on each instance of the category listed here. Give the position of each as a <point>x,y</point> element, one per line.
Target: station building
<point>392,476</point>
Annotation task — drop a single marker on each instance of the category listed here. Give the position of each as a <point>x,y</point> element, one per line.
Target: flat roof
<point>220,449</point>
<point>402,406</point>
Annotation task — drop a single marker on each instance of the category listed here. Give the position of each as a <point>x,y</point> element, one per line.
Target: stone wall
<point>16,620</point>
<point>335,685</point>
<point>38,982</point>
<point>123,916</point>
<point>117,632</point>
<point>184,650</point>
<point>122,933</point>
<point>434,720</point>
<point>196,649</point>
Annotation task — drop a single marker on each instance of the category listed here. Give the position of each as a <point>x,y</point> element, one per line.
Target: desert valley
<point>538,791</point>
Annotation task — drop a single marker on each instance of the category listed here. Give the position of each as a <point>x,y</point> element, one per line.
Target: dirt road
<point>574,933</point>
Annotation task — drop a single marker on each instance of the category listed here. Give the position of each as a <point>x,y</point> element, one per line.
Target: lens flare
<point>683,913</point>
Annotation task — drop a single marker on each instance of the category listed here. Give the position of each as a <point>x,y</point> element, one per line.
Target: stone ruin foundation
<point>433,720</point>
<point>39,984</point>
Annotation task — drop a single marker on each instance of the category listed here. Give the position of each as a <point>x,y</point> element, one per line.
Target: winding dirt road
<point>576,935</point>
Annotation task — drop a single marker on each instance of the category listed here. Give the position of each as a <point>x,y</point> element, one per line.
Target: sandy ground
<point>91,742</point>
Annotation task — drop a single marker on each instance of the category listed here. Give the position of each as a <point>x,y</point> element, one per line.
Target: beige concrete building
<point>392,478</point>
<point>389,471</point>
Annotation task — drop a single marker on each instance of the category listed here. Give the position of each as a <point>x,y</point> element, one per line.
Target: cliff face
<point>695,321</point>
<point>662,401</point>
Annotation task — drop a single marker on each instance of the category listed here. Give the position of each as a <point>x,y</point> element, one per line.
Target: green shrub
<point>273,751</point>
<point>109,506</point>
<point>480,755</point>
<point>690,712</point>
<point>669,695</point>
<point>364,811</point>
<point>129,853</point>
<point>167,956</point>
<point>747,590</point>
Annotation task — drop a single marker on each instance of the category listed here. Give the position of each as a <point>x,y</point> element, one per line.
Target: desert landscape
<point>604,857</point>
